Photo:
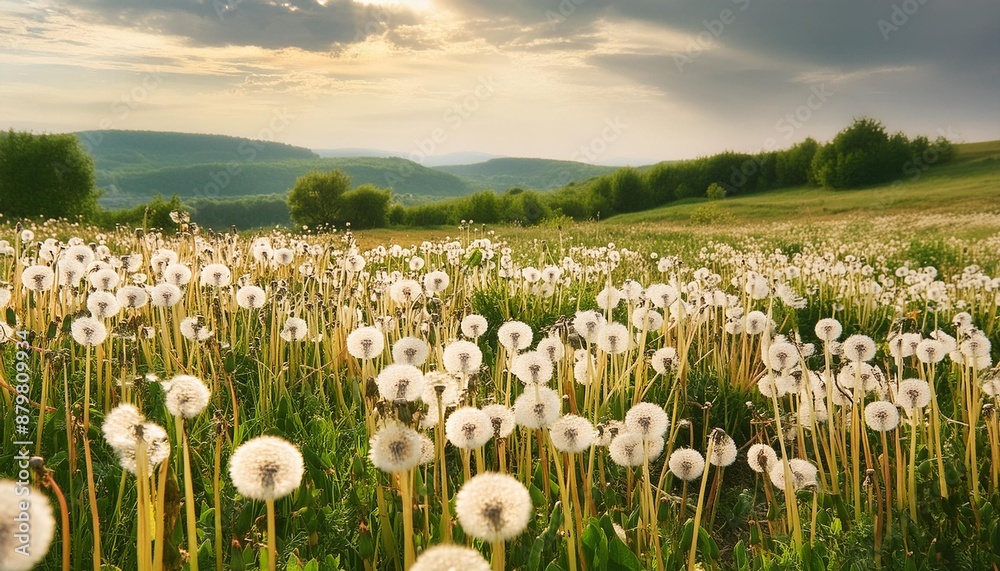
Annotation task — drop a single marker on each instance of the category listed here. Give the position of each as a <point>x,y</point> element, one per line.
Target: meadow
<point>733,391</point>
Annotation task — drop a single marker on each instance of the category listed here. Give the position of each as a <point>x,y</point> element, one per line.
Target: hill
<point>539,174</point>
<point>969,183</point>
<point>156,149</point>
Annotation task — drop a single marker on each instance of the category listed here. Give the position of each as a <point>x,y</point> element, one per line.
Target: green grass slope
<point>410,182</point>
<point>538,174</point>
<point>969,183</point>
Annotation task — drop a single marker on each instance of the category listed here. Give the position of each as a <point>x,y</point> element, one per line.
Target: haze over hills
<point>132,166</point>
<point>447,159</point>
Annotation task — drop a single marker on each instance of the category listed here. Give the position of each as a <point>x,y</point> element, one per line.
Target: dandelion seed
<point>436,282</point>
<point>913,394</point>
<point>859,348</point>
<point>686,464</point>
<point>473,326</point>
<point>532,368</point>
<point>405,291</point>
<point>582,370</point>
<point>266,468</point>
<point>647,420</point>
<point>216,275</point>
<point>365,343</point>
<point>572,434</point>
<point>755,323</point>
<point>410,351</point>
<point>588,324</point>
<point>930,351</point>
<point>613,338</point>
<point>644,319</point>
<point>664,360</point>
<point>165,295</point>
<point>782,356</point>
<point>515,336</point>
<point>294,329</point>
<point>462,357</point>
<point>157,447</point>
<point>608,298</point>
<point>88,331</point>
<point>537,407</point>
<point>38,278</point>
<point>104,279</point>
<point>187,396</point>
<point>723,448</point>
<point>102,305</point>
<point>194,328</point>
<point>761,458</point>
<point>395,448</point>
<point>501,419</point>
<point>400,382</point>
<point>132,297</point>
<point>251,297</point>
<point>21,550</point>
<point>881,416</point>
<point>662,295</point>
<point>626,449</point>
<point>177,274</point>
<point>70,273</point>
<point>552,347</point>
<point>468,428</point>
<point>450,558</point>
<point>493,507</point>
<point>804,474</point>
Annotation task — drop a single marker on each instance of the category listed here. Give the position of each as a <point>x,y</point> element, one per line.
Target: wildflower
<point>515,335</point>
<point>468,427</point>
<point>177,274</point>
<point>400,382</point>
<point>761,458</point>
<point>664,360</point>
<point>552,347</point>
<point>194,328</point>
<point>187,396</point>
<point>395,448</point>
<point>165,295</point>
<point>532,368</point>
<point>365,343</point>
<point>537,407</point>
<point>881,416</point>
<point>104,279</point>
<point>501,419</point>
<point>410,351</point>
<point>462,357</point>
<point>755,323</point>
<point>647,420</point>
<point>102,304</point>
<point>294,329</point>
<point>645,319</point>
<point>686,464</point>
<point>582,369</point>
<point>608,298</point>
<point>930,351</point>
<point>70,272</point>
<point>804,474</point>
<point>132,297</point>
<point>588,324</point>
<point>723,448</point>
<point>662,295</point>
<point>38,278</point>
<point>215,275</point>
<point>251,297</point>
<point>572,433</point>
<point>88,331</point>
<point>912,394</point>
<point>608,431</point>
<point>859,348</point>
<point>448,557</point>
<point>613,338</point>
<point>436,281</point>
<point>266,468</point>
<point>782,356</point>
<point>493,507</point>
<point>473,326</point>
<point>630,449</point>
<point>20,551</point>
<point>156,442</point>
<point>405,291</point>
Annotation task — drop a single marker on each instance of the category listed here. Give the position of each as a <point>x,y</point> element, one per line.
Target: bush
<point>711,213</point>
<point>715,192</point>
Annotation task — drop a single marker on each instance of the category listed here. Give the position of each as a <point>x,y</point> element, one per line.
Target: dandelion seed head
<point>102,304</point>
<point>493,507</point>
<point>365,343</point>
<point>761,458</point>
<point>410,351</point>
<point>132,296</point>
<point>468,427</point>
<point>446,557</point>
<point>15,554</point>
<point>552,347</point>
<point>405,291</point>
<point>627,449</point>
<point>723,448</point>
<point>686,464</point>
<point>930,351</point>
<point>266,468</point>
<point>38,278</point>
<point>804,474</point>
<point>251,297</point>
<point>88,331</point>
<point>462,357</point>
<point>755,323</point>
<point>532,368</point>
<point>881,416</point>
<point>165,295</point>
<point>187,396</point>
<point>537,407</point>
<point>515,336</point>
<point>613,338</point>
<point>501,420</point>
<point>912,394</point>
<point>294,329</point>
<point>395,448</point>
<point>859,348</point>
<point>588,324</point>
<point>215,275</point>
<point>474,326</point>
<point>194,328</point>
<point>828,329</point>
<point>645,319</point>
<point>157,447</point>
<point>572,434</point>
<point>647,420</point>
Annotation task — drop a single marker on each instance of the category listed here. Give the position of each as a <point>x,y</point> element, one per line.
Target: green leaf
<point>11,317</point>
<point>475,258</point>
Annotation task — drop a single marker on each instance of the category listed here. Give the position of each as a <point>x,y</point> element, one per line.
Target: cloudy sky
<point>593,80</point>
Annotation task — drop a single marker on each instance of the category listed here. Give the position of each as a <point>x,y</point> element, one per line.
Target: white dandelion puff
<point>686,464</point>
<point>20,550</point>
<point>132,297</point>
<point>187,396</point>
<point>446,557</point>
<point>215,275</point>
<point>102,304</point>
<point>532,368</point>
<point>462,357</point>
<point>266,468</point>
<point>648,420</point>
<point>468,428</point>
<point>537,407</point>
<point>761,458</point>
<point>474,326</point>
<point>395,448</point>
<point>859,348</point>
<point>294,329</point>
<point>501,419</point>
<point>493,507</point>
<point>365,343</point>
<point>251,297</point>
<point>88,331</point>
<point>881,416</point>
<point>572,434</point>
<point>410,351</point>
<point>400,382</point>
<point>515,336</point>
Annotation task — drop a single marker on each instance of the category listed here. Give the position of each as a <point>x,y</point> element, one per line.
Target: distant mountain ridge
<point>538,174</point>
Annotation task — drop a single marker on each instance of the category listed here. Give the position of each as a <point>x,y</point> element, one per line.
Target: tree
<point>315,198</point>
<point>46,175</point>
<point>365,207</point>
<point>628,190</point>
<point>715,192</point>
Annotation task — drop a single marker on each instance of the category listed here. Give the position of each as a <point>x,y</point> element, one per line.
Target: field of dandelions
<point>299,402</point>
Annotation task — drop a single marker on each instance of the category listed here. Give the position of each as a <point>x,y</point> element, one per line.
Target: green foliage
<point>245,212</point>
<point>539,174</point>
<point>153,214</point>
<point>710,213</point>
<point>865,154</point>
<point>715,192</point>
<point>628,191</point>
<point>46,175</point>
<point>314,201</point>
<point>365,207</point>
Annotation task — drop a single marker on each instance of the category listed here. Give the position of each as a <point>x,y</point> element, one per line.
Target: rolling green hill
<point>538,174</point>
<point>133,166</point>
